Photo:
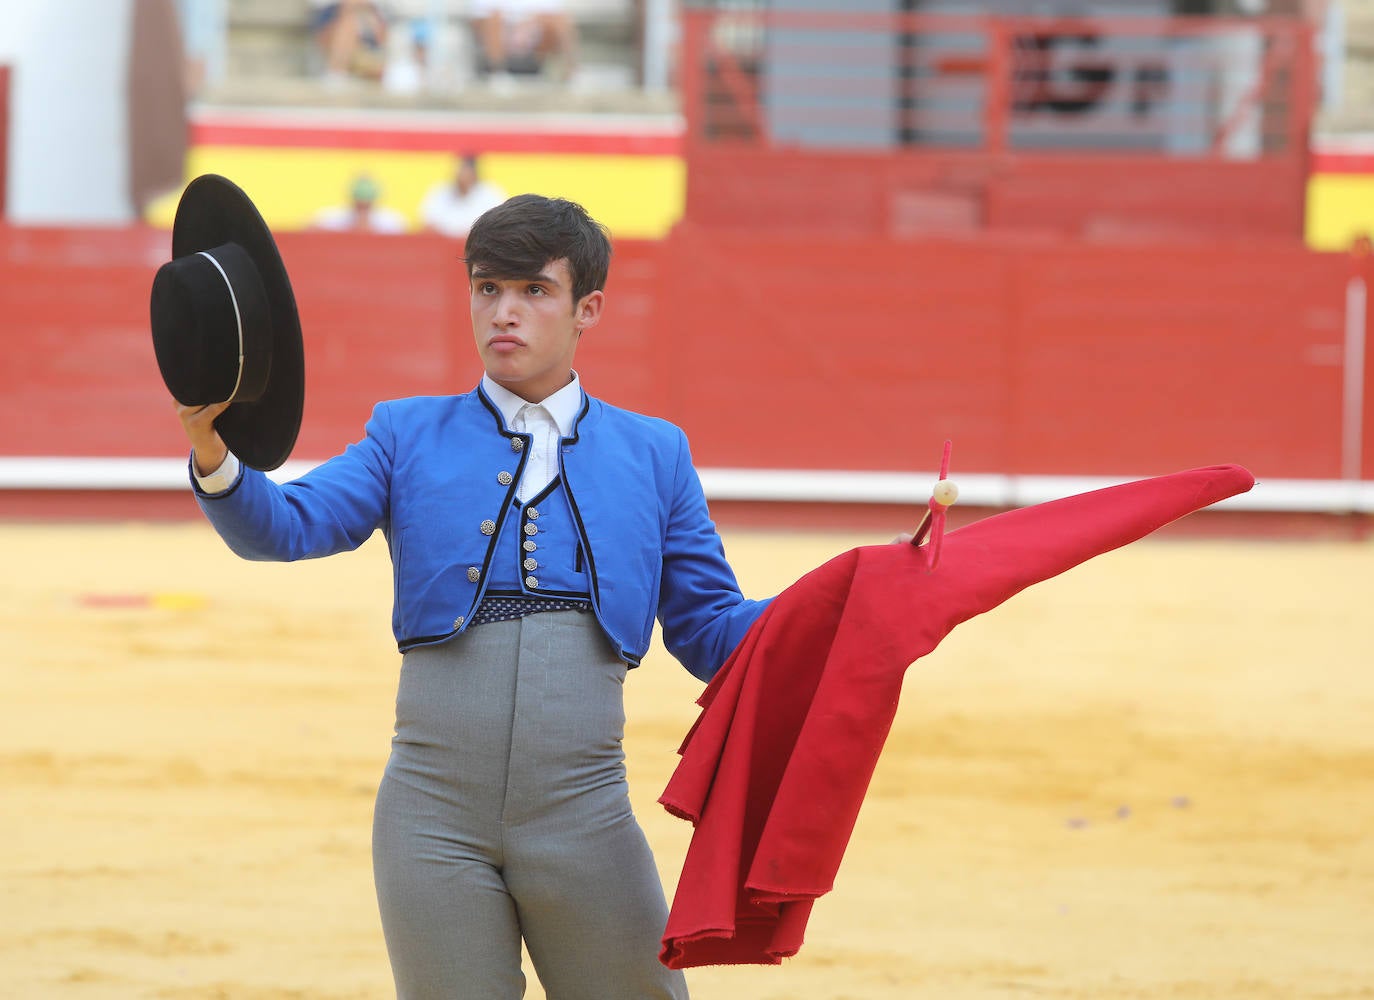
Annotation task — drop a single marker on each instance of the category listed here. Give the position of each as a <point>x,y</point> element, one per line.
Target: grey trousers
<point>503,815</point>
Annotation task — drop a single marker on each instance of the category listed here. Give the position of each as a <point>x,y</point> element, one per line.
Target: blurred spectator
<point>416,26</point>
<point>523,38</point>
<point>351,36</point>
<point>451,207</point>
<point>204,25</point>
<point>407,65</point>
<point>362,214</point>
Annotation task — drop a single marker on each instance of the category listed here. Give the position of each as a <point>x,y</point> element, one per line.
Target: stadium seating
<point>270,61</point>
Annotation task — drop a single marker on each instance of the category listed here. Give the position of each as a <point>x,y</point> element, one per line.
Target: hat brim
<point>213,210</point>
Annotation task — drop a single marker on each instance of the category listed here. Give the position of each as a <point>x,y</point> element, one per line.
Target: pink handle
<point>934,520</point>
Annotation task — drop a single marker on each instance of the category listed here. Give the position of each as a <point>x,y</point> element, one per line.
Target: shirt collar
<point>563,405</point>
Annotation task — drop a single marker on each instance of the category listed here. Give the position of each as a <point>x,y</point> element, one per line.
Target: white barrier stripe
<point>238,319</point>
<point>117,474</point>
<point>839,486</point>
<point>763,485</point>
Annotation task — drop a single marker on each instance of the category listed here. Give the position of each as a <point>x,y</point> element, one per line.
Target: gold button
<point>529,545</point>
<point>530,564</point>
<point>474,574</point>
<point>504,478</point>
<point>458,622</point>
<point>488,527</point>
<point>516,444</point>
<point>531,513</point>
<point>530,529</point>
<point>531,582</point>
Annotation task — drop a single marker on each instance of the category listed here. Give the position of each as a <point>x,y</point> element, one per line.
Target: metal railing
<point>1193,87</point>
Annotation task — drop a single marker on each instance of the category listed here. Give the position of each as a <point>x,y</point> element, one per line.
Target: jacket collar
<point>567,406</point>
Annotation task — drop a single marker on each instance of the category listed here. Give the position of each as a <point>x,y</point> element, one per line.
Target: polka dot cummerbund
<point>504,609</point>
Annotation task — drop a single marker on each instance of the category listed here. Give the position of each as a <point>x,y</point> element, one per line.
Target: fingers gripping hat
<point>225,325</point>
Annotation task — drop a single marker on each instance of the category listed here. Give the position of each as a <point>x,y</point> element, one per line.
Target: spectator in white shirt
<point>451,207</point>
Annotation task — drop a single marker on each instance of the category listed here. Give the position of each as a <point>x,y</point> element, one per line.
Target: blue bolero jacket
<point>428,473</point>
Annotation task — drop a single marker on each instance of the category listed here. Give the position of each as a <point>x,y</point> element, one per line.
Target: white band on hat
<point>238,319</point>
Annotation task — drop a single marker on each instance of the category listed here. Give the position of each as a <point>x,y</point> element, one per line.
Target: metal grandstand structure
<point>907,123</point>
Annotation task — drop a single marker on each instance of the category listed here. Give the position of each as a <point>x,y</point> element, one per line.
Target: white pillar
<point>660,38</point>
<point>68,156</point>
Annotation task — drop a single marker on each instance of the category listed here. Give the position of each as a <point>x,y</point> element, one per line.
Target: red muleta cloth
<point>775,768</point>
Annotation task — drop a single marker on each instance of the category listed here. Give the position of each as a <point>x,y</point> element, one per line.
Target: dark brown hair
<point>517,238</point>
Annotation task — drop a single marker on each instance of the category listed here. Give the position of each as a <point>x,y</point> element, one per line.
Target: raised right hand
<point>199,423</point>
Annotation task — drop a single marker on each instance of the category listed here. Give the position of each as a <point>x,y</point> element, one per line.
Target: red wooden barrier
<point>382,317</point>
<point>1036,356</point>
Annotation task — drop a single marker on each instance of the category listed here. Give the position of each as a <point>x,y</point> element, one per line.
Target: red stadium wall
<point>911,195</point>
<point>1044,357</point>
<point>1039,357</point>
<point>80,378</point>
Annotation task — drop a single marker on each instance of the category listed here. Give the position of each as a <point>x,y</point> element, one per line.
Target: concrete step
<point>525,97</point>
<point>286,14</point>
<point>258,51</point>
<point>1359,26</point>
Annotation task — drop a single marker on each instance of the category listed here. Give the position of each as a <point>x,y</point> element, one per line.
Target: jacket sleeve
<point>333,508</point>
<point>701,609</point>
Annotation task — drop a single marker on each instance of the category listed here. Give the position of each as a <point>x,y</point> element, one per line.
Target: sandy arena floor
<point>1151,777</point>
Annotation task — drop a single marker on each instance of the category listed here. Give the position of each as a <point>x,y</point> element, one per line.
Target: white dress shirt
<point>222,478</point>
<point>546,422</point>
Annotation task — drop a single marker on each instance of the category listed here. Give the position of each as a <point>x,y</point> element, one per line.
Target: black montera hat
<point>225,325</point>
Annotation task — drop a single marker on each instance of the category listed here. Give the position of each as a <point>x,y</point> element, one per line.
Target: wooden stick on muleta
<point>942,497</point>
